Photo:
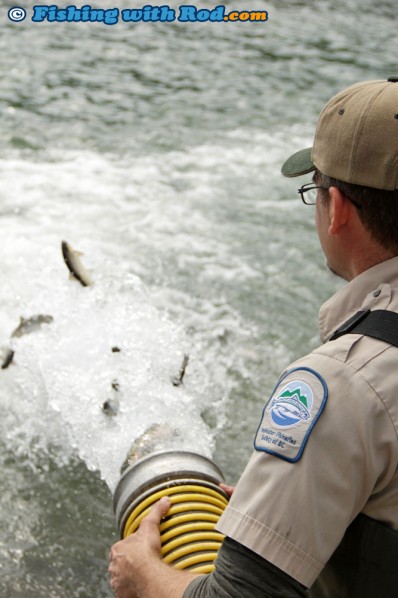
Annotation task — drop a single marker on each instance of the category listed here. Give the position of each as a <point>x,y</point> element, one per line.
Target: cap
<point>356,137</point>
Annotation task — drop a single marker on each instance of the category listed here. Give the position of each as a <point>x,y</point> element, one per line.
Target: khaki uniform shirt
<point>326,448</point>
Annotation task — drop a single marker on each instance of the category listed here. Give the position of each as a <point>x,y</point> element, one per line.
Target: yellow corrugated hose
<point>188,536</point>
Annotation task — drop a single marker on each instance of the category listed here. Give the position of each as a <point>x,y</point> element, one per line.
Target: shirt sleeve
<point>240,573</point>
<point>297,496</point>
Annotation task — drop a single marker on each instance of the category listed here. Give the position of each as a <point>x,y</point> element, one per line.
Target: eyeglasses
<point>308,194</point>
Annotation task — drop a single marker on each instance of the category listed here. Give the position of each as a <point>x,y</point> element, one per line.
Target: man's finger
<point>157,512</point>
<point>227,489</point>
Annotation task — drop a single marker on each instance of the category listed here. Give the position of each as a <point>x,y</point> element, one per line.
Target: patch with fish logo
<point>291,414</point>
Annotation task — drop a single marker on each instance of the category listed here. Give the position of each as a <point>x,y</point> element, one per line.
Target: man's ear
<point>339,210</point>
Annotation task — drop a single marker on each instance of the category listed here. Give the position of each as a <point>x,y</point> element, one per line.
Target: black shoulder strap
<point>364,564</point>
<point>380,324</point>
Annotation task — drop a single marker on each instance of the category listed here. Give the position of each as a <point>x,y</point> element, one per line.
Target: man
<point>317,505</point>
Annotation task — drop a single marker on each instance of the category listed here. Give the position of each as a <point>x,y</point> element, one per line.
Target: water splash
<point>105,340</point>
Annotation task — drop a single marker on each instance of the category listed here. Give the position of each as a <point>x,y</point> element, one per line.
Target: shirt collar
<point>350,299</point>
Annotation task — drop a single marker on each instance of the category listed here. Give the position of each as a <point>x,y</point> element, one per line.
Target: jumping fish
<point>111,405</point>
<point>76,268</point>
<point>7,359</point>
<point>154,437</point>
<point>177,380</point>
<point>28,325</point>
<point>25,326</point>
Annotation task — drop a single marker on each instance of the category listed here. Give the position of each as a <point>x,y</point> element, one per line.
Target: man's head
<point>355,151</point>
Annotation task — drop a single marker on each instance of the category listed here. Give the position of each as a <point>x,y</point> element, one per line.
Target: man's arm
<point>241,573</point>
<point>137,570</point>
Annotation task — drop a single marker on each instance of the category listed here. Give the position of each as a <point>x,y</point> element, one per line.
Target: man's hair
<point>379,209</point>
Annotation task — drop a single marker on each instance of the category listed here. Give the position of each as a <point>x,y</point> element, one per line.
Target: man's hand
<point>128,558</point>
<point>135,564</point>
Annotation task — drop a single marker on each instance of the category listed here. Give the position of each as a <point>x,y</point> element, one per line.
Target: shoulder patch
<point>291,414</point>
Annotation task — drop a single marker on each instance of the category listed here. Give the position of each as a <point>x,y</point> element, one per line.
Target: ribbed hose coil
<point>189,539</point>
<point>188,536</point>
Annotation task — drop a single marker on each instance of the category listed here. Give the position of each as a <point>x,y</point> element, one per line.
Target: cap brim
<point>299,163</point>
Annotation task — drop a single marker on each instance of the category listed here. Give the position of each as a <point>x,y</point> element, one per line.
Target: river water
<point>154,149</point>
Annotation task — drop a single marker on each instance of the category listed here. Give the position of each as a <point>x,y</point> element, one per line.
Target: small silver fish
<point>7,359</point>
<point>111,406</point>
<point>76,268</point>
<point>28,325</point>
<point>177,380</point>
<point>154,438</point>
<point>25,326</point>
